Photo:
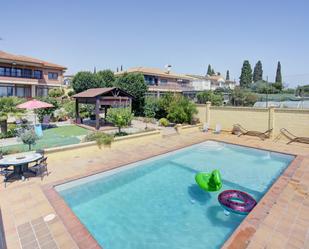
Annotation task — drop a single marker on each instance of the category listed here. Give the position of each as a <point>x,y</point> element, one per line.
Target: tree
<point>134,84</point>
<point>28,137</point>
<point>7,108</point>
<point>258,72</point>
<point>215,99</point>
<point>278,81</point>
<point>227,77</point>
<point>105,78</point>
<point>83,81</point>
<point>212,72</point>
<point>209,70</point>
<point>246,75</point>
<point>120,117</point>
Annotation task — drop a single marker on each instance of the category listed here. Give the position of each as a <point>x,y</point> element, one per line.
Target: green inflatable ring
<point>209,181</point>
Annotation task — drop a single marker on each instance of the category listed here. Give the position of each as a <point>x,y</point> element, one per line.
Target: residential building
<point>28,77</point>
<point>162,81</point>
<point>203,83</point>
<point>67,79</point>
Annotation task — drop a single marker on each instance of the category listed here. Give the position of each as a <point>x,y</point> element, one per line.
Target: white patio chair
<point>218,129</point>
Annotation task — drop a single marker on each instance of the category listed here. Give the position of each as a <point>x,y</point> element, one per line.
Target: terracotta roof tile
<point>26,59</point>
<point>154,71</point>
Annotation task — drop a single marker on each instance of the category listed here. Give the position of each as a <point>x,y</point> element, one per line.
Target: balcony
<point>20,73</point>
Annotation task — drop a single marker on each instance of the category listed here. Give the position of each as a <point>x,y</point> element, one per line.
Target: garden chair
<point>261,135</point>
<point>46,122</point>
<point>218,129</point>
<point>294,138</point>
<point>205,127</point>
<point>5,172</point>
<point>41,168</point>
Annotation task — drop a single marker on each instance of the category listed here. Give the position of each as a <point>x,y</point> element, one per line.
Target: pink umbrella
<point>34,104</point>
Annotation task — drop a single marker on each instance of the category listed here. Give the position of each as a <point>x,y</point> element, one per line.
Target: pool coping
<point>240,237</point>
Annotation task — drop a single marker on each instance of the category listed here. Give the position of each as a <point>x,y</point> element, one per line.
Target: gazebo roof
<point>94,92</point>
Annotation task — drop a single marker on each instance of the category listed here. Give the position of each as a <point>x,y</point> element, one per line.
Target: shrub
<point>56,92</point>
<point>121,134</point>
<point>149,110</point>
<point>61,114</point>
<point>7,108</point>
<point>47,111</point>
<point>215,98</point>
<point>243,97</point>
<point>69,107</point>
<point>120,117</point>
<point>11,132</point>
<point>164,122</point>
<point>71,93</point>
<point>181,110</point>
<point>29,137</point>
<point>100,138</point>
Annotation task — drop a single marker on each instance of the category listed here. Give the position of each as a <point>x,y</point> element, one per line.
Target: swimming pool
<point>156,203</point>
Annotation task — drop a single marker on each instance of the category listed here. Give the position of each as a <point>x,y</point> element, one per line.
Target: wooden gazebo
<point>102,98</point>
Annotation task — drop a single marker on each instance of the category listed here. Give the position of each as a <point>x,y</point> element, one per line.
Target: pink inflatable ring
<point>236,201</point>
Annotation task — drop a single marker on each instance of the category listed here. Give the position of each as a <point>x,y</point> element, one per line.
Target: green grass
<point>54,137</point>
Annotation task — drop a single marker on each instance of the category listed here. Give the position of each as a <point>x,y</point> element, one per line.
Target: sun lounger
<point>261,135</point>
<point>294,138</point>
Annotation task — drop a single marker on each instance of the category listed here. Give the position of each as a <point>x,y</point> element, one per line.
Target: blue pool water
<point>156,203</point>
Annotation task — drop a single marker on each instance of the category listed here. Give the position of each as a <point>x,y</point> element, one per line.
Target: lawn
<point>53,137</point>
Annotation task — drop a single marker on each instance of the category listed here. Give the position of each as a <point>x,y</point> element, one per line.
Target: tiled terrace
<point>281,219</point>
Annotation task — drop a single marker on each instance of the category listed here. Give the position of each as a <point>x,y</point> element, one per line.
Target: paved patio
<point>281,220</point>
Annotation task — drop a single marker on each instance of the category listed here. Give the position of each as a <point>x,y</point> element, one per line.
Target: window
<point>23,91</point>
<point>52,76</point>
<point>18,72</point>
<point>7,71</point>
<point>6,91</point>
<point>13,72</point>
<point>27,73</point>
<point>163,81</point>
<point>37,74</point>
<point>41,91</point>
<point>1,71</point>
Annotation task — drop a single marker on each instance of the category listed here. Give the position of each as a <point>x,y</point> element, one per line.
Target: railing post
<point>208,104</point>
<point>271,120</point>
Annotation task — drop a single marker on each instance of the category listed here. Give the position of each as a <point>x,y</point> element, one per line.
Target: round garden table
<point>20,163</point>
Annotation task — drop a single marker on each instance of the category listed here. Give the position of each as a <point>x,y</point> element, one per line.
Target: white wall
<point>201,85</point>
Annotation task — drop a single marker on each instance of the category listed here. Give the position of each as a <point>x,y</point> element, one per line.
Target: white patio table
<point>20,163</point>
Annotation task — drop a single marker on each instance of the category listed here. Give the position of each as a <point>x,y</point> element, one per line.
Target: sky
<point>188,35</point>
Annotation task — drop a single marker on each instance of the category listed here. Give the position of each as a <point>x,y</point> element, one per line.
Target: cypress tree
<point>278,73</point>
<point>258,72</point>
<point>227,77</point>
<point>212,72</point>
<point>246,75</point>
<point>209,70</point>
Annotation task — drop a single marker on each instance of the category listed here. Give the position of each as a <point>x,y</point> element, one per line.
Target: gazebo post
<point>77,110</point>
<point>97,112</point>
<point>105,113</point>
